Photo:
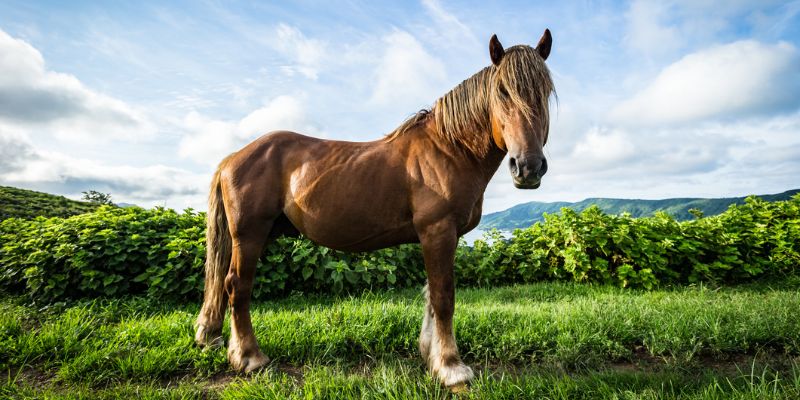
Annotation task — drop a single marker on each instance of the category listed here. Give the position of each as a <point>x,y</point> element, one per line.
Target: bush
<point>160,253</point>
<point>749,241</point>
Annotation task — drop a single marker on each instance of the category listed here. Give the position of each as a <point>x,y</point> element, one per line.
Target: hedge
<point>160,252</point>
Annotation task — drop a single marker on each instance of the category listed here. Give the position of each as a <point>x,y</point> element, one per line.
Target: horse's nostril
<point>543,168</point>
<point>512,165</point>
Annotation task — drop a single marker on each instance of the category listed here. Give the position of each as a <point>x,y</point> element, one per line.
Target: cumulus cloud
<point>603,146</point>
<point>24,165</point>
<point>616,153</point>
<point>209,140</point>
<point>659,30</point>
<point>307,54</point>
<point>32,95</point>
<point>14,152</point>
<point>743,78</point>
<point>407,76</point>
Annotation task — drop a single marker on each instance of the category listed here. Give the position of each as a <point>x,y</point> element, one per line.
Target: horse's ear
<point>496,51</point>
<point>543,48</point>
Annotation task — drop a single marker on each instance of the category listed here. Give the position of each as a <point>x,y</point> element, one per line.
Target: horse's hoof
<point>455,375</point>
<point>459,388</point>
<point>248,364</point>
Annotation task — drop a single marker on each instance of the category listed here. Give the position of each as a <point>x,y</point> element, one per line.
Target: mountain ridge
<point>526,214</point>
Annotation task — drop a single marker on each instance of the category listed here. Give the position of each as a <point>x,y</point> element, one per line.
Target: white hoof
<point>249,363</point>
<point>455,375</point>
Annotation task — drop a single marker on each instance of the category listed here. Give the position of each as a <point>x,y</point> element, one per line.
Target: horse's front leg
<point>243,352</point>
<point>437,343</point>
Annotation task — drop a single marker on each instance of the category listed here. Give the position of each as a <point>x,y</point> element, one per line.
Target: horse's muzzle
<point>527,172</point>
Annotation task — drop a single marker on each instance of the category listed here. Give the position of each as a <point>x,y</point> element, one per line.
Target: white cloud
<point>648,32</point>
<point>728,158</point>
<point>307,54</point>
<point>208,140</point>
<point>15,150</point>
<point>56,172</point>
<point>658,30</point>
<point>32,96</point>
<point>408,76</point>
<point>603,146</point>
<point>743,78</point>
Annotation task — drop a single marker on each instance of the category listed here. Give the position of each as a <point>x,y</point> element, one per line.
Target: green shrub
<point>756,239</point>
<point>160,252</point>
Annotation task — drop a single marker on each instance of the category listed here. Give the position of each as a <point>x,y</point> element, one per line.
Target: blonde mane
<point>462,115</point>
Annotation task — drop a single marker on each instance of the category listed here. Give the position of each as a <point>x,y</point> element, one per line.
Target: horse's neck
<point>491,162</point>
<point>486,164</point>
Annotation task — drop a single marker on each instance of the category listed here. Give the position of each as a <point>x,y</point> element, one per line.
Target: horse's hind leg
<point>243,352</point>
<point>251,216</point>
<point>437,342</point>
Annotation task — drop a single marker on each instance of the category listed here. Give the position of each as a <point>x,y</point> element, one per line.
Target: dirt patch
<point>220,380</point>
<point>293,371</point>
<point>33,377</point>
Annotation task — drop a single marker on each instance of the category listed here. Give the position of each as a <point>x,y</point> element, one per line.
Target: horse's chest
<point>474,217</point>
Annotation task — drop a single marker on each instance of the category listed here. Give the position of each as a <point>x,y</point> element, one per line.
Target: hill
<point>524,215</point>
<point>22,203</point>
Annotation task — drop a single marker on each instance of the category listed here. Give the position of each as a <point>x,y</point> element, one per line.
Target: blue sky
<point>655,99</point>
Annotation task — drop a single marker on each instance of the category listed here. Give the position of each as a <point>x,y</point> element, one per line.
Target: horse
<point>422,183</point>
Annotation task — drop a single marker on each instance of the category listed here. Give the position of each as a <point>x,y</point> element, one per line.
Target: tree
<point>94,196</point>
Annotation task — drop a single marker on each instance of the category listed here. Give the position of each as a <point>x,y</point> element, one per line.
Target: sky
<point>142,100</point>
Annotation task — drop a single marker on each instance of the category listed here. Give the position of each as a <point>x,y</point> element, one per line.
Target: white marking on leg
<point>253,359</point>
<point>208,338</point>
<point>441,350</point>
<point>426,333</point>
<point>234,348</point>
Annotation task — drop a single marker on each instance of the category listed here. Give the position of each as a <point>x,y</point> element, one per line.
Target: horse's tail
<point>218,254</point>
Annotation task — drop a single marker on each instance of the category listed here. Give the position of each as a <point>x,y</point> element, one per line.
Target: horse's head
<point>519,96</point>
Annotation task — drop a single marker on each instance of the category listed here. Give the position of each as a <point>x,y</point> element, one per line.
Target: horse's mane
<point>462,115</point>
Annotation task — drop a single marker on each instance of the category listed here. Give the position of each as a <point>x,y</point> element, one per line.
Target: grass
<point>27,204</point>
<point>551,340</point>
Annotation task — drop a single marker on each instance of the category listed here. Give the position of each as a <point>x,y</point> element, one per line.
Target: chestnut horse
<point>422,183</point>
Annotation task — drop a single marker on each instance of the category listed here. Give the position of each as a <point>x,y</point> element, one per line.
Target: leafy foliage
<point>160,252</point>
<point>21,203</point>
<point>745,242</point>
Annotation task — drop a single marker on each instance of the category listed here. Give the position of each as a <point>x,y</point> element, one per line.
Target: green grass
<point>27,204</point>
<point>549,340</point>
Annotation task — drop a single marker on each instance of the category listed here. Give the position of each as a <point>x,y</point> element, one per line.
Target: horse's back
<point>345,195</point>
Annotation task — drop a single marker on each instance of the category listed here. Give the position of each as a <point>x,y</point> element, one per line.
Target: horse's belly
<point>351,229</point>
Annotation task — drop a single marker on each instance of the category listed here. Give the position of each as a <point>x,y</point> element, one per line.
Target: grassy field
<point>21,203</point>
<point>550,340</point>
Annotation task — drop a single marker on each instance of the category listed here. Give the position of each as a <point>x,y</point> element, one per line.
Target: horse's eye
<point>503,91</point>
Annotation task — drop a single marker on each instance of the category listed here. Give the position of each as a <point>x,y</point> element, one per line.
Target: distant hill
<point>22,203</point>
<point>524,215</point>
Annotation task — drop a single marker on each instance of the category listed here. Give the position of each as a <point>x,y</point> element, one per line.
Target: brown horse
<point>422,183</point>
